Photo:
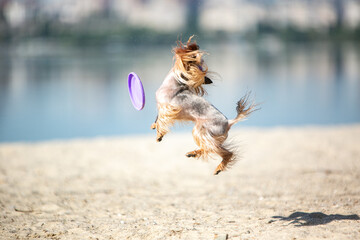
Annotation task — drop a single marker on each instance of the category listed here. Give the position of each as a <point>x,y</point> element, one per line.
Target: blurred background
<point>64,63</point>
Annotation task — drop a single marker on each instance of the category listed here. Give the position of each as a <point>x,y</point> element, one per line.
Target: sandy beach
<point>289,183</point>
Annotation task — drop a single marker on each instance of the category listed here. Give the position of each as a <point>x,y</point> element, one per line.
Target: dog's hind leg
<point>227,157</point>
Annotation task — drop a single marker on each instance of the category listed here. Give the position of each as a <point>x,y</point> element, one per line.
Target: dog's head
<point>189,66</point>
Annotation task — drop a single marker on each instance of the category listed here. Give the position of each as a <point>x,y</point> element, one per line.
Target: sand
<point>290,183</point>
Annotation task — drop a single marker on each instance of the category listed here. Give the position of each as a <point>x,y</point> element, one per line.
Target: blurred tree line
<point>102,26</point>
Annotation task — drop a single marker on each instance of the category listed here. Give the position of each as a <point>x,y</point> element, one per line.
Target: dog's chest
<point>167,89</point>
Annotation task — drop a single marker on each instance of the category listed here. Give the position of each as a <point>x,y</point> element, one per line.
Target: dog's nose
<point>208,80</point>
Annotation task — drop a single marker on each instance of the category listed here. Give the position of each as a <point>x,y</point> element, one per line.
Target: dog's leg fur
<point>153,126</point>
<point>227,157</point>
<point>196,153</point>
<point>166,117</point>
<point>200,138</point>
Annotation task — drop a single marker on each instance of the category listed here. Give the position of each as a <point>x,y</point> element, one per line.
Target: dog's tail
<point>243,109</point>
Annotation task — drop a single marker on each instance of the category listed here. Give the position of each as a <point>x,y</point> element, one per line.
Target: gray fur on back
<point>197,109</point>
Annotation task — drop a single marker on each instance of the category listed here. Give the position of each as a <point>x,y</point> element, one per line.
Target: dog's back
<point>197,109</point>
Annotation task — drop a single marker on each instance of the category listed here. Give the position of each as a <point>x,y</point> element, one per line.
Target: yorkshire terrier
<point>180,98</point>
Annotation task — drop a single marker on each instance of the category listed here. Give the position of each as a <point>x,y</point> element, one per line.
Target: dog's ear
<point>207,80</point>
<point>192,47</point>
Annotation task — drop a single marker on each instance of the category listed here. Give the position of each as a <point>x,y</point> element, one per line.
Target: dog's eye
<point>183,77</point>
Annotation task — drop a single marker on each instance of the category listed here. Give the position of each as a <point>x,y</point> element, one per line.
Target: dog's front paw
<point>153,126</point>
<point>158,139</point>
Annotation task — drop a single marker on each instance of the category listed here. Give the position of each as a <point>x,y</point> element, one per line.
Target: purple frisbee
<point>136,90</point>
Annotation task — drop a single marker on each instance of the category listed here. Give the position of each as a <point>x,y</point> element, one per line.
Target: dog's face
<point>200,65</point>
<point>190,67</point>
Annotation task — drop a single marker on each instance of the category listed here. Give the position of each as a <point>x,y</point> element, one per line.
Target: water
<point>50,91</point>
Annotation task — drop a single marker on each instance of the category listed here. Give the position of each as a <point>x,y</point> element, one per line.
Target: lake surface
<point>50,91</point>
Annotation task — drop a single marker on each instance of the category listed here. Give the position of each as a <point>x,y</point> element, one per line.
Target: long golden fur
<point>189,66</point>
<point>167,114</point>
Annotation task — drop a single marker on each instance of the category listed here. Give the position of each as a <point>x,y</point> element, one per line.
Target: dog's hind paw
<point>159,139</point>
<point>153,126</point>
<point>219,168</point>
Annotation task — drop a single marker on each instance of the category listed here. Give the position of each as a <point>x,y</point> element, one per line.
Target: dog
<point>180,98</point>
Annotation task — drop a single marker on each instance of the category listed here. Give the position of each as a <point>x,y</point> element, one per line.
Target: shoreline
<point>152,134</point>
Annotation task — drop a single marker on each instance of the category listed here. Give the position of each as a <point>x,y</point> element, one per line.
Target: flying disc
<point>136,90</point>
